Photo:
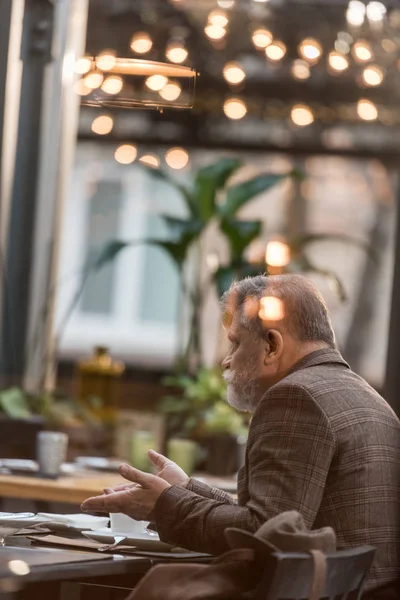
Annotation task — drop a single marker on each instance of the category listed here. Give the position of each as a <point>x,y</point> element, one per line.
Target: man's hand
<point>137,500</point>
<point>168,470</point>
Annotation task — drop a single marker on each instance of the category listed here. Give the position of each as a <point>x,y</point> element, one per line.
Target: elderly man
<point>321,440</point>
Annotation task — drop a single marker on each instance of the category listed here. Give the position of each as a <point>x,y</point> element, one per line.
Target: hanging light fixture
<point>277,254</point>
<point>275,51</point>
<point>141,43</point>
<point>261,38</point>
<point>355,14</point>
<point>234,73</point>
<point>367,110</point>
<point>235,109</point>
<point>218,18</point>
<point>214,32</point>
<point>310,49</point>
<point>376,11</point>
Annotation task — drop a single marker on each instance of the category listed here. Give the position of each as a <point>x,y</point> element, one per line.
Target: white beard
<point>242,396</point>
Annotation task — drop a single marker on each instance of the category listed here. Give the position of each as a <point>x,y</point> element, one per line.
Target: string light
<point>106,60</point>
<point>367,110</point>
<point>102,125</point>
<point>362,51</point>
<point>277,254</point>
<point>94,80</point>
<point>141,43</point>
<point>214,32</point>
<point>177,158</point>
<point>376,11</point>
<point>261,38</point>
<point>171,92</point>
<point>150,160</point>
<point>156,82</point>
<point>218,18</point>
<point>373,75</point>
<point>112,84</point>
<point>276,50</point>
<point>302,115</point>
<point>83,65</point>
<point>176,53</point>
<point>355,14</point>
<point>300,69</point>
<point>234,108</point>
<point>310,49</point>
<point>125,154</point>
<point>233,73</point>
<point>337,61</point>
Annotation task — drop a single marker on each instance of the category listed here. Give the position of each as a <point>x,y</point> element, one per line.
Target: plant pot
<point>222,454</point>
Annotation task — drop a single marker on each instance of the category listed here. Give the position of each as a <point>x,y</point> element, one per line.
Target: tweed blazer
<point>321,442</point>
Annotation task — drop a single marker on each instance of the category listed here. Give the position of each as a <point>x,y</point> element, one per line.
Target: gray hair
<point>305,312</point>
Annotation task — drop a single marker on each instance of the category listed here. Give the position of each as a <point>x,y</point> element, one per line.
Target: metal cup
<point>51,452</point>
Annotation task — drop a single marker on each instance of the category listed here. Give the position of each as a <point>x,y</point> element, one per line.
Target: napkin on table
<point>77,520</point>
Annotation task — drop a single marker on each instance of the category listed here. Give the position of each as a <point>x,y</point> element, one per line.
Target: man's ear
<point>273,346</point>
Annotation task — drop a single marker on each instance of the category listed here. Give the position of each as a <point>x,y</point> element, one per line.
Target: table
<point>72,489</point>
<point>55,573</point>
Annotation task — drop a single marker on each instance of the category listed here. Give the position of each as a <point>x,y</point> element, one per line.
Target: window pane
<point>102,225</point>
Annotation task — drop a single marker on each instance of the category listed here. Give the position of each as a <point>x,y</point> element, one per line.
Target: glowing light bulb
<point>83,65</point>
<point>156,82</point>
<point>170,92</point>
<point>81,88</point>
<point>276,50</point>
<point>302,115</point>
<point>177,158</point>
<point>176,53</point>
<point>373,75</point>
<point>271,309</point>
<point>277,254</point>
<point>362,51</point>
<point>141,43</point>
<point>337,61</point>
<point>261,38</point>
<point>233,73</point>
<point>300,69</point>
<point>218,18</point>
<point>376,11</point>
<point>214,32</point>
<point>93,80</point>
<point>310,49</point>
<point>150,160</point>
<point>234,108</point>
<point>125,154</point>
<point>367,110</point>
<point>106,60</point>
<point>112,85</point>
<point>102,125</point>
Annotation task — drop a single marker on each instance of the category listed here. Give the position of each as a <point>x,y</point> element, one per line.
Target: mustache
<point>228,375</point>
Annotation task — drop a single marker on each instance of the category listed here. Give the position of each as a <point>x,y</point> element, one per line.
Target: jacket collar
<point>320,357</point>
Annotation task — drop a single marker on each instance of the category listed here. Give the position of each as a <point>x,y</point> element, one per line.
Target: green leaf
<point>240,234</point>
<point>298,244</point>
<point>209,180</point>
<point>175,250</point>
<point>238,195</point>
<point>108,252</point>
<point>183,230</point>
<point>186,194</point>
<point>14,403</point>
